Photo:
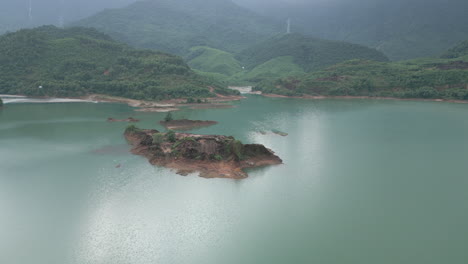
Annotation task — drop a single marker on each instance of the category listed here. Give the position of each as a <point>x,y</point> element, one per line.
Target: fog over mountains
<point>16,14</point>
<point>402,29</point>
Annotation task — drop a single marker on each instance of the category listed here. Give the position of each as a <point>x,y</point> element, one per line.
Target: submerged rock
<point>277,132</point>
<point>130,119</point>
<point>212,156</point>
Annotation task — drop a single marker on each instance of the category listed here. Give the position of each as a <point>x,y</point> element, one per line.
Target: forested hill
<point>402,29</point>
<point>16,14</point>
<point>429,78</point>
<point>280,56</point>
<point>309,53</point>
<point>78,61</point>
<point>175,26</point>
<point>459,50</point>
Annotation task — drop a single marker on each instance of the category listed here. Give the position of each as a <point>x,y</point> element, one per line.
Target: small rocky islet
<point>130,119</point>
<point>212,156</point>
<point>186,124</point>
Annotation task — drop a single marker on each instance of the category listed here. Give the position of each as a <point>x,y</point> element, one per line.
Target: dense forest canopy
<point>430,78</point>
<point>79,61</point>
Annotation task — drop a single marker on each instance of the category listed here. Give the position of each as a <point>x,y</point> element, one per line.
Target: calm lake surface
<point>364,182</point>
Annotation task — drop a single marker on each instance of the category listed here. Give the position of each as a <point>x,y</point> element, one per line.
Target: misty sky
<point>15,13</point>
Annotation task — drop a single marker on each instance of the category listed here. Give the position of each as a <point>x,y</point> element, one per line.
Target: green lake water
<point>364,182</point>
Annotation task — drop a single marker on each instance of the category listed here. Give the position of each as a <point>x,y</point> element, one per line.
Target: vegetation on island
<point>195,147</point>
<point>168,117</point>
<point>422,78</point>
<point>171,123</point>
<point>48,61</point>
<point>1,102</point>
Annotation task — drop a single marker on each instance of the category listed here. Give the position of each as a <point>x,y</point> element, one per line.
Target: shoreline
<point>322,97</point>
<point>166,105</point>
<point>10,99</point>
<point>218,102</point>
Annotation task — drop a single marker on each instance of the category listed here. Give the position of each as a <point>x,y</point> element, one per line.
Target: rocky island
<point>212,156</point>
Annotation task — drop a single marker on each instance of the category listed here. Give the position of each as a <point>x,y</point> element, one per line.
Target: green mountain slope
<point>14,14</point>
<point>275,68</point>
<point>208,59</point>
<point>402,29</point>
<point>280,56</point>
<point>309,53</point>
<point>422,78</point>
<point>79,61</point>
<point>459,50</point>
<point>175,26</point>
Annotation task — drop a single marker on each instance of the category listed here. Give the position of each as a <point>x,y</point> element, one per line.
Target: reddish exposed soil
<point>205,145</point>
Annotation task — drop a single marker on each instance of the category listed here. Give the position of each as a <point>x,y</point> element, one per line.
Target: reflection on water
<point>363,182</point>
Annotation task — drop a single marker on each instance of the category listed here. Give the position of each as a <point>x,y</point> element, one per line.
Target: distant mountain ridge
<point>402,29</point>
<point>17,14</point>
<point>175,26</point>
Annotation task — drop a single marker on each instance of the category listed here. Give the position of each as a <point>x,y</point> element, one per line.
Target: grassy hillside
<point>175,26</point>
<point>280,56</point>
<point>207,59</point>
<point>78,61</point>
<point>275,68</point>
<point>307,52</point>
<point>423,78</point>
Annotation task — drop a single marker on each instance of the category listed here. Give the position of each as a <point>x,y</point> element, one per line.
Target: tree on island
<point>168,117</point>
<point>1,102</point>
<point>171,136</point>
<point>158,139</point>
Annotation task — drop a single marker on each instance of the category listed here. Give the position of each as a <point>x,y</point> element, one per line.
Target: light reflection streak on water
<point>146,215</point>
